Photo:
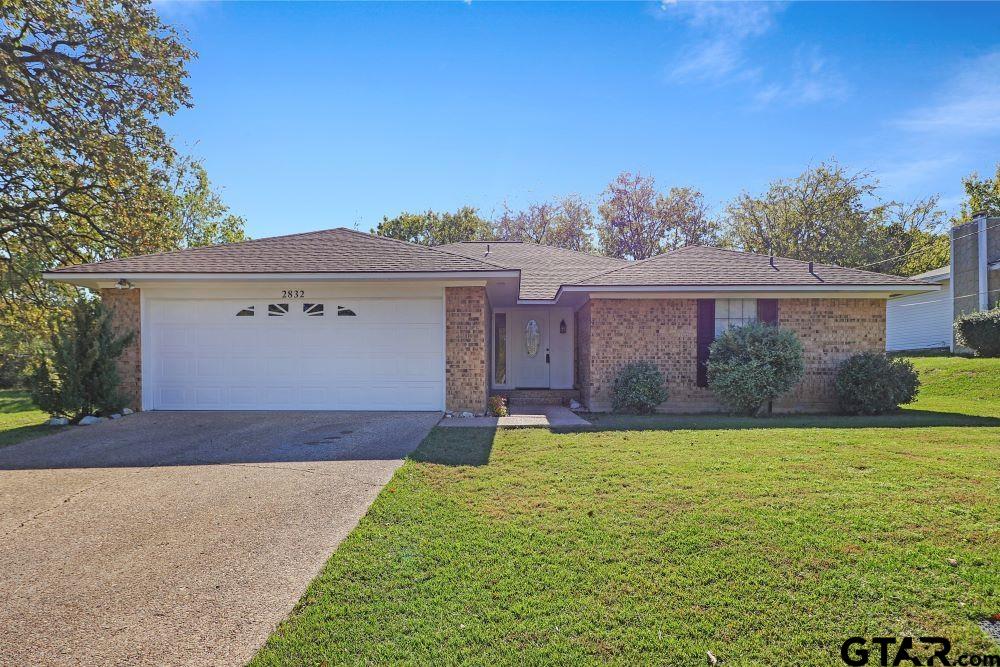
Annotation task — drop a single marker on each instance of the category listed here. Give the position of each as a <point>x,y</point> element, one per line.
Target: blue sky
<point>319,115</point>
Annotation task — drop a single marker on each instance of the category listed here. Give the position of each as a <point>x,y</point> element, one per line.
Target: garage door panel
<point>388,356</point>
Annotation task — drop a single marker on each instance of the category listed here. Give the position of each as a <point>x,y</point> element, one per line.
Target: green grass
<point>19,418</point>
<point>677,536</point>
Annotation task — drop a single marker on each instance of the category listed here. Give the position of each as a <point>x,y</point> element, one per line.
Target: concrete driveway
<point>177,537</point>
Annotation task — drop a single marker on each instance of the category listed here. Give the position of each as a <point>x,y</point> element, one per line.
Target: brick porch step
<point>540,396</point>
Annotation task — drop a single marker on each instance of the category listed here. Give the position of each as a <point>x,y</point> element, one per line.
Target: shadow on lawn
<point>456,447</point>
<point>474,446</point>
<point>901,419</point>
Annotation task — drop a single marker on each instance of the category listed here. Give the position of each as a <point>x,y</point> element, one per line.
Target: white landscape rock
<point>58,421</point>
<point>574,404</point>
<point>127,411</point>
<point>466,415</point>
<point>116,416</point>
<point>90,419</point>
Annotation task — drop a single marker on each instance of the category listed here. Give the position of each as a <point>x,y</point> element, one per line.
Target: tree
<point>79,378</point>
<point>638,222</point>
<point>688,221</point>
<point>830,215</point>
<point>980,196</point>
<point>431,228</point>
<point>82,160</point>
<point>198,215</point>
<point>565,223</point>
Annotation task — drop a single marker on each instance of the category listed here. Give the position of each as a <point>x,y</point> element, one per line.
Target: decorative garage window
<point>345,312</point>
<point>313,309</point>
<point>734,313</point>
<point>277,309</point>
<point>246,312</point>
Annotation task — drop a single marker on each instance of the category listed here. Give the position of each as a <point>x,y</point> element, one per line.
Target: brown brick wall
<point>124,306</point>
<point>613,332</point>
<point>831,330</point>
<point>466,322</point>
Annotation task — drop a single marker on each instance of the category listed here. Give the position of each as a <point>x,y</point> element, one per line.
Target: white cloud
<point>722,29</point>
<point>813,79</point>
<point>717,54</point>
<point>966,104</point>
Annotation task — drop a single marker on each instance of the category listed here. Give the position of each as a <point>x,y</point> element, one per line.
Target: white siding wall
<point>919,321</point>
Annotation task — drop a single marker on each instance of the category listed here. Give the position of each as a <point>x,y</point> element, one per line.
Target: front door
<point>531,349</point>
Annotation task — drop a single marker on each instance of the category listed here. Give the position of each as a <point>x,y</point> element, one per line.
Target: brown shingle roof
<point>701,265</point>
<point>543,268</point>
<point>328,251</point>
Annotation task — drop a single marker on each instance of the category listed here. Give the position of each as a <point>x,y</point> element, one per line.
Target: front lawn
<point>654,546</point>
<point>19,418</point>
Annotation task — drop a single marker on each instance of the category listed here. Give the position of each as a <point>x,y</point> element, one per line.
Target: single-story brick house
<point>339,319</point>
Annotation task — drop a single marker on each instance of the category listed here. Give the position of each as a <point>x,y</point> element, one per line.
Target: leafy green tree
<point>981,195</point>
<point>564,223</point>
<point>432,228</point>
<point>638,222</point>
<point>82,160</point>
<point>198,215</point>
<point>78,377</point>
<point>830,215</point>
<point>86,172</point>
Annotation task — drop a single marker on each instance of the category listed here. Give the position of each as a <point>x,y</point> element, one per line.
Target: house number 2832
<point>293,294</point>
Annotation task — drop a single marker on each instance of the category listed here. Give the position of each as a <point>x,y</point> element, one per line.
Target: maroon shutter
<point>706,334</point>
<point>767,311</point>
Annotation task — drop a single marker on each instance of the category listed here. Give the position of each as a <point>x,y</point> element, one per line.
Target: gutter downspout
<point>984,294</point>
<point>951,283</point>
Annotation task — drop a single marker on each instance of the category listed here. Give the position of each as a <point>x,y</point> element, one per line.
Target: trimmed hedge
<point>980,332</point>
<point>751,365</point>
<point>638,388</point>
<point>871,383</point>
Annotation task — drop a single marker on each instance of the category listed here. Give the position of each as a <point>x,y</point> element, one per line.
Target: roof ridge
<point>744,253</point>
<point>804,261</point>
<point>542,245</point>
<point>204,247</point>
<point>629,265</point>
<point>423,247</point>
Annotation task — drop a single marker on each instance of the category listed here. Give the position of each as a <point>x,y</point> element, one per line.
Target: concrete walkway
<point>551,416</point>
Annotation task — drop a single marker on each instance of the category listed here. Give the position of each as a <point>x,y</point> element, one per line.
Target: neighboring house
<point>975,265</point>
<point>339,319</point>
<point>921,321</point>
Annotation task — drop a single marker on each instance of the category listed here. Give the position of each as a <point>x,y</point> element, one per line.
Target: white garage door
<point>331,354</point>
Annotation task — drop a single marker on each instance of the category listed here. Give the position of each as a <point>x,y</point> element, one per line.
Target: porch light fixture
<point>562,326</point>
<point>123,284</point>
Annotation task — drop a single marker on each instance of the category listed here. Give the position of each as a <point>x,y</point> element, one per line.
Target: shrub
<point>980,332</point>
<point>871,383</point>
<point>638,388</point>
<point>498,406</point>
<point>750,366</point>
<point>78,376</point>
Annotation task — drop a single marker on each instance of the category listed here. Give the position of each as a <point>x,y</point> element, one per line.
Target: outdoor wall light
<point>562,326</point>
<point>123,284</point>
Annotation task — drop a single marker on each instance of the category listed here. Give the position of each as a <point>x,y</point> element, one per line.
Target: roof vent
<point>773,266</point>
<point>487,253</point>
<point>811,267</point>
